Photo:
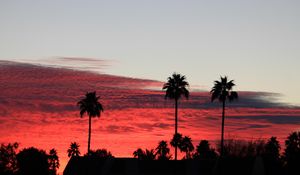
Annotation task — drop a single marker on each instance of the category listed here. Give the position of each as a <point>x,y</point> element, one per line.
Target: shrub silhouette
<point>32,161</point>
<point>204,151</point>
<point>100,153</point>
<point>272,161</point>
<point>292,153</point>
<point>8,160</point>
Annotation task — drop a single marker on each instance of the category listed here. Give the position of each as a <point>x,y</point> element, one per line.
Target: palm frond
<point>222,90</point>
<point>176,86</point>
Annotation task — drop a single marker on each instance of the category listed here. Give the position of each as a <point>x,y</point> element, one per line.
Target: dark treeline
<point>28,161</point>
<point>237,155</point>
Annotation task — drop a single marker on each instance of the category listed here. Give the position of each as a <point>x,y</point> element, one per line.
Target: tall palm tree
<point>176,87</point>
<point>222,90</point>
<point>92,107</point>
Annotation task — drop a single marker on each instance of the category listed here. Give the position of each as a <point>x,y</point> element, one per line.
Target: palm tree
<point>139,154</point>
<point>175,87</point>
<point>73,150</point>
<point>150,154</point>
<point>162,151</point>
<point>222,90</point>
<point>92,107</point>
<point>144,155</point>
<point>175,142</point>
<point>186,146</point>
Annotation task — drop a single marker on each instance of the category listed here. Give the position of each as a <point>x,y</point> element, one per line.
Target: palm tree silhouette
<point>139,153</point>
<point>222,90</point>
<point>175,142</point>
<point>144,155</point>
<point>92,107</point>
<point>175,87</point>
<point>73,150</point>
<point>162,151</point>
<point>186,146</point>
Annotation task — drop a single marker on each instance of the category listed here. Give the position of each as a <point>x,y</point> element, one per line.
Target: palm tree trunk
<point>222,134</point>
<point>90,130</point>
<point>176,124</point>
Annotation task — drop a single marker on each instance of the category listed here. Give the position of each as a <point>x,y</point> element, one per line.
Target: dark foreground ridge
<point>132,166</point>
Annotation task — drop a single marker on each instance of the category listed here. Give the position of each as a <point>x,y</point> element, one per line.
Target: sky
<point>52,52</point>
<point>257,43</point>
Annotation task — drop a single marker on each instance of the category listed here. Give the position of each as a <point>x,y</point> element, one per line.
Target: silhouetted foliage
<point>139,154</point>
<point>163,151</point>
<point>292,153</point>
<point>176,87</point>
<point>8,160</point>
<point>100,153</point>
<point>272,149</point>
<point>271,156</point>
<point>53,161</point>
<point>222,90</point>
<point>186,146</point>
<point>175,142</point>
<point>150,154</point>
<point>144,155</point>
<point>74,150</point>
<point>32,161</point>
<point>204,151</point>
<point>90,105</point>
<point>242,148</point>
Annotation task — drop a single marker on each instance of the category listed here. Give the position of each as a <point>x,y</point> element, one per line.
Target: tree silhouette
<point>100,153</point>
<point>204,151</point>
<point>186,146</point>
<point>222,90</point>
<point>144,155</point>
<point>74,150</point>
<point>176,141</point>
<point>8,160</point>
<point>53,162</point>
<point>92,107</point>
<point>162,151</point>
<point>139,154</point>
<point>292,152</point>
<point>176,87</point>
<point>150,154</point>
<point>272,148</point>
<point>271,155</point>
<point>32,161</point>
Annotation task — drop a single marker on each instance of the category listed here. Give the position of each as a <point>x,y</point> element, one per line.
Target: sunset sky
<point>53,52</point>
